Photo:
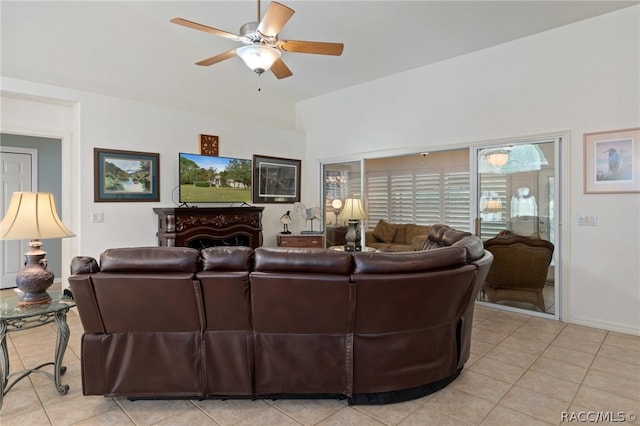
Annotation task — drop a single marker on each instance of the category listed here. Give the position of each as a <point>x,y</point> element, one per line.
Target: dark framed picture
<point>276,180</point>
<point>125,176</point>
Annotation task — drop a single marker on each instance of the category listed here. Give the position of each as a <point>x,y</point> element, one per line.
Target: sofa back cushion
<point>386,232</point>
<point>444,236</point>
<point>413,230</point>
<point>304,260</point>
<point>223,258</point>
<point>150,259</point>
<point>473,245</point>
<point>407,262</point>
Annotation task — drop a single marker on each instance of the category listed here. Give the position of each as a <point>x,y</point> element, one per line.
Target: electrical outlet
<point>587,219</point>
<point>97,217</point>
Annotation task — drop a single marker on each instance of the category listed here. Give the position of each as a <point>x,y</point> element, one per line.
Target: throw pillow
<point>384,231</point>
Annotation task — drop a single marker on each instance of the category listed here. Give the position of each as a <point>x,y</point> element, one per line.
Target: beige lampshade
<point>352,210</point>
<point>493,205</point>
<point>32,215</point>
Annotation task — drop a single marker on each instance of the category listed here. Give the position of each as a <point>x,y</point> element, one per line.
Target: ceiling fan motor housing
<point>250,35</point>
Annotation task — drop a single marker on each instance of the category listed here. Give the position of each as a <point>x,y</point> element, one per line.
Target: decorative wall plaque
<point>209,145</point>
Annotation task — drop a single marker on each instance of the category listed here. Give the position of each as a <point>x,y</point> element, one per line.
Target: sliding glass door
<point>518,194</point>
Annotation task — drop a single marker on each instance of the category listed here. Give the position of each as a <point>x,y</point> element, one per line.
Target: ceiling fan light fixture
<point>259,57</point>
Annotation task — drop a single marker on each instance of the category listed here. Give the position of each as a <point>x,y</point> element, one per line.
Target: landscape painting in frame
<point>125,175</point>
<point>612,161</point>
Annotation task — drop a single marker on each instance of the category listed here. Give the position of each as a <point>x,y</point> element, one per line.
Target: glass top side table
<point>14,318</point>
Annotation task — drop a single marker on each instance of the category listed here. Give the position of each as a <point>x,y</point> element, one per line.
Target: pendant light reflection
<point>515,159</point>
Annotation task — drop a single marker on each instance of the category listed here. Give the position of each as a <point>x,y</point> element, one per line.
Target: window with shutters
<point>419,197</point>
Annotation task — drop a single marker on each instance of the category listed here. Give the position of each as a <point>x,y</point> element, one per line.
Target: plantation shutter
<point>457,201</point>
<point>401,196</point>
<point>377,198</point>
<point>421,198</point>
<point>427,199</point>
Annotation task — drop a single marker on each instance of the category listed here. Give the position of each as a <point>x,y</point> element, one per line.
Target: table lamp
<point>352,212</point>
<point>337,205</point>
<point>32,216</point>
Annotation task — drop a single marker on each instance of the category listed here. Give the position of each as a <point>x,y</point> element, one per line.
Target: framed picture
<point>275,180</point>
<point>612,161</point>
<point>125,176</point>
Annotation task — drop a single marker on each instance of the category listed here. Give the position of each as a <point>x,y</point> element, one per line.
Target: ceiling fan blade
<point>314,47</point>
<point>200,27</point>
<point>274,19</point>
<point>280,70</point>
<point>218,58</point>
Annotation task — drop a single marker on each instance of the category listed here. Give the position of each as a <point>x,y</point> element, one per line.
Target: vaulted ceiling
<point>130,49</point>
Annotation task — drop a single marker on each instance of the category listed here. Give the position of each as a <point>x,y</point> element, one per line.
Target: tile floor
<point>522,371</point>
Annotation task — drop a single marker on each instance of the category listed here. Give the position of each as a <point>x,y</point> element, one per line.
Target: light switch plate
<point>97,217</point>
<point>587,219</point>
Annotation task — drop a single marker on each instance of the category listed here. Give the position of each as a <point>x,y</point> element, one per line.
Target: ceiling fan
<point>262,49</point>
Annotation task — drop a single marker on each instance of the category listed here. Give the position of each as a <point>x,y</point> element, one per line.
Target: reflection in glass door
<point>517,195</point>
<point>341,181</point>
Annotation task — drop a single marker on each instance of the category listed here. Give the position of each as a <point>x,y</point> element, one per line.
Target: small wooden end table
<point>14,318</point>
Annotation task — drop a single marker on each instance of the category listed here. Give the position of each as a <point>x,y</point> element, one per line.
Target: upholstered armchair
<point>519,269</point>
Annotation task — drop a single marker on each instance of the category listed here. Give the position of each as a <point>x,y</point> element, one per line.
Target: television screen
<point>207,179</point>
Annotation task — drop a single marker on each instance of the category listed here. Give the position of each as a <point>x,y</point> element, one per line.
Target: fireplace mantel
<point>199,228</point>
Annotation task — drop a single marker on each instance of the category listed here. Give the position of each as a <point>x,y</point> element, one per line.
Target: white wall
<point>579,78</point>
<point>90,120</point>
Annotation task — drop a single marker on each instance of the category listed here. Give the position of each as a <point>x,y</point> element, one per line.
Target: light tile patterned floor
<point>523,370</point>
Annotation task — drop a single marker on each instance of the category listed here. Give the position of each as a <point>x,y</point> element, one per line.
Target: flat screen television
<point>207,179</point>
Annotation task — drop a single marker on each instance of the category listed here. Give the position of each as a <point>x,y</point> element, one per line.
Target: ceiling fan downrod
<point>258,20</point>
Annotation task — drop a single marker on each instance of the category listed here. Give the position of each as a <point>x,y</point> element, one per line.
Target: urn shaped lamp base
<point>351,237</point>
<point>34,279</point>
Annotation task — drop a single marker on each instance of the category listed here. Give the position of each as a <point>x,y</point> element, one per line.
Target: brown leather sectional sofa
<point>165,322</point>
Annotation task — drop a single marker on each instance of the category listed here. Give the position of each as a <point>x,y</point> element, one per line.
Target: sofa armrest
<point>82,269</point>
<point>417,243</point>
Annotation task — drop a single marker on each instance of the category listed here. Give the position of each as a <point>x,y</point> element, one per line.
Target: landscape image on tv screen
<point>207,179</point>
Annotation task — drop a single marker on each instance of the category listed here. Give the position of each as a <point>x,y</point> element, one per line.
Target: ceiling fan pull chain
<point>259,88</point>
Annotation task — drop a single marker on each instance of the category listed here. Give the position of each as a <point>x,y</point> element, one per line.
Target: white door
<point>17,168</point>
